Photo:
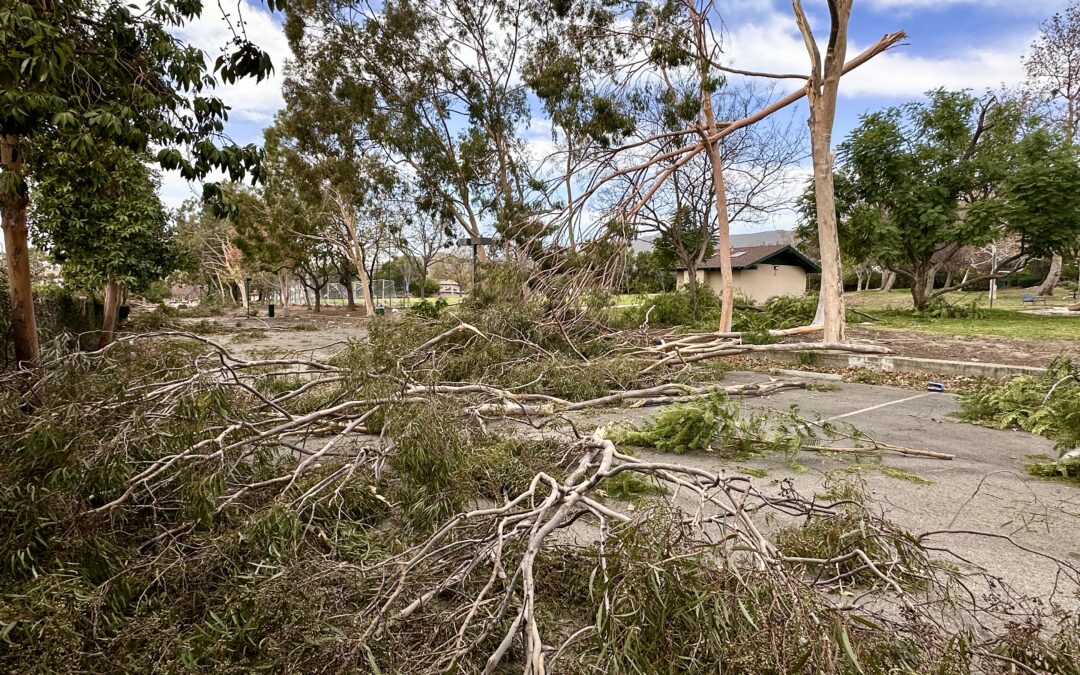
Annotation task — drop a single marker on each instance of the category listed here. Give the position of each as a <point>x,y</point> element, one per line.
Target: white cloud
<point>774,44</point>
<point>248,99</point>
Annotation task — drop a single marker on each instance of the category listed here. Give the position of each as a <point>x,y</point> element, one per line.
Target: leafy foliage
<point>103,221</point>
<point>1048,405</point>
<point>714,421</point>
<point>940,308</point>
<point>89,72</point>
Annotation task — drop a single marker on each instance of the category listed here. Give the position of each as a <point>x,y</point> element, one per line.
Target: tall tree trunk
<point>948,279</point>
<point>723,226</point>
<point>317,290</point>
<point>423,282</point>
<point>1052,277</point>
<point>923,285</point>
<point>285,284</point>
<point>822,89</point>
<point>858,279</point>
<point>17,256</point>
<point>111,313</point>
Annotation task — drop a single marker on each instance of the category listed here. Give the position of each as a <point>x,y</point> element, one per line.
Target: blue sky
<point>957,44</point>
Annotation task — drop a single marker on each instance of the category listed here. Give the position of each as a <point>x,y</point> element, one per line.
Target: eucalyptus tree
<point>423,237</point>
<point>105,71</point>
<point>822,87</point>
<point>429,85</point>
<point>673,45</point>
<point>205,242</point>
<point>103,222</point>
<point>342,184</point>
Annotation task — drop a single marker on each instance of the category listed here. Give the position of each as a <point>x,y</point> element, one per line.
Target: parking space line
<point>875,407</point>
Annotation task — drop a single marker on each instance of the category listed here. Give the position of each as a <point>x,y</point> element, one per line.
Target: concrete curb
<point>903,364</point>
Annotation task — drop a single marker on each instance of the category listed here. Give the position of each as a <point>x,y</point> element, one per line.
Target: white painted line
<point>875,407</point>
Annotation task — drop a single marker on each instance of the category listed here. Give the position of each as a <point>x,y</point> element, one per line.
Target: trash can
<point>380,310</point>
<point>270,310</point>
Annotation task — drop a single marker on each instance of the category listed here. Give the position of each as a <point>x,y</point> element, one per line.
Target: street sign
<point>477,241</point>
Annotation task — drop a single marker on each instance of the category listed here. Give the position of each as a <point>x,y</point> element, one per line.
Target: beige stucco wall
<point>760,284</point>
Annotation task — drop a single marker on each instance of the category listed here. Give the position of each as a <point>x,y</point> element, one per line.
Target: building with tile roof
<point>759,272</point>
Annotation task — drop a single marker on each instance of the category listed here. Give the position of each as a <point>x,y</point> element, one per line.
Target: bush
<point>157,291</point>
<point>428,309</point>
<point>61,315</point>
<point>940,308</point>
<point>677,309</point>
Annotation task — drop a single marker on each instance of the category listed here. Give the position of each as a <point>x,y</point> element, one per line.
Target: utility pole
<point>476,243</point>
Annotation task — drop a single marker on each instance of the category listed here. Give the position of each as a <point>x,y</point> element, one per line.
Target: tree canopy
<point>104,221</point>
<point>85,74</point>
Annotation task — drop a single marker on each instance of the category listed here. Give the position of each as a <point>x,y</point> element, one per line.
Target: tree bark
<point>284,283</point>
<point>723,226</point>
<point>350,295</point>
<point>922,285</point>
<point>888,278</point>
<point>1052,277</point>
<point>111,313</point>
<point>17,256</point>
<point>822,88</point>
<point>948,279</point>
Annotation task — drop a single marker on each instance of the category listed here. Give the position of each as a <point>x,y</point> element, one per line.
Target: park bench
<point>1031,299</point>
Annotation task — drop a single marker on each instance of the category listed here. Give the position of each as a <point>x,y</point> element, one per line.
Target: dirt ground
<point>989,349</point>
<point>302,333</point>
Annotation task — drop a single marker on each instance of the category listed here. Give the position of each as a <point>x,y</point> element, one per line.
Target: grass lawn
<point>894,310</point>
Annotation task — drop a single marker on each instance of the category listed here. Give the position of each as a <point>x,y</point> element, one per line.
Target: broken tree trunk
<point>822,86</point>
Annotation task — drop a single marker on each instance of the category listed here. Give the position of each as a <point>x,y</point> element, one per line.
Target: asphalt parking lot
<point>985,488</point>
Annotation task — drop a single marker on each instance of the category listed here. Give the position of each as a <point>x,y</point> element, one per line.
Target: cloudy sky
<point>957,44</point>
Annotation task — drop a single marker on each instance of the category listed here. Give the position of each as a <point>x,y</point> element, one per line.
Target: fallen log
<point>692,338</point>
<point>878,447</point>
<point>734,349</point>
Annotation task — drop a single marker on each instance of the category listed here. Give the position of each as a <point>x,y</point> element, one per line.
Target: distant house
<point>449,287</point>
<point>759,272</point>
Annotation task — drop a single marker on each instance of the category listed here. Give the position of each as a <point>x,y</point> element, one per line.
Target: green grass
<point>1007,298</point>
<point>895,310</point>
<point>996,322</point>
<point>751,471</point>
<point>630,298</point>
